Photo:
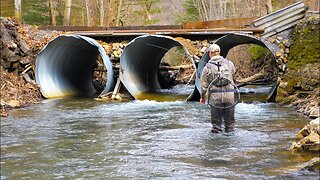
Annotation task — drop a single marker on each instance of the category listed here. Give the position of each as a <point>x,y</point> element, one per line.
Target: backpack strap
<point>210,65</point>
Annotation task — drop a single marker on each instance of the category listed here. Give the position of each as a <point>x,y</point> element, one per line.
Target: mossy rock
<point>303,60</point>
<point>305,46</point>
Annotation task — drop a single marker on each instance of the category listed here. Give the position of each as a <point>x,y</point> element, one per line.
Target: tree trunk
<point>205,12</point>
<point>101,7</point>
<point>269,6</point>
<point>187,66</point>
<point>224,13</point>
<point>195,3</point>
<point>233,6</point>
<point>17,9</point>
<point>199,5</point>
<point>112,7</point>
<point>251,78</point>
<point>52,13</point>
<point>118,12</point>
<point>88,13</point>
<point>67,13</point>
<point>210,10</point>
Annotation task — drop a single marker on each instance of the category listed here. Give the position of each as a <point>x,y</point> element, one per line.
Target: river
<point>88,139</point>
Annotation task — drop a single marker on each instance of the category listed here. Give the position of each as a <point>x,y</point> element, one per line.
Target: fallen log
<point>252,78</point>
<point>188,66</point>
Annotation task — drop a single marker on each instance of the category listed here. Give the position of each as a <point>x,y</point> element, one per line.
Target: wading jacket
<point>224,94</point>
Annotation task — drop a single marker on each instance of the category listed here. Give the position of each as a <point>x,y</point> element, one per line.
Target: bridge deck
<point>169,32</point>
<point>215,27</point>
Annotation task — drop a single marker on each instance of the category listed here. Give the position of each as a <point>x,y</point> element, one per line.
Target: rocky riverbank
<point>299,85</point>
<point>19,46</point>
<point>308,140</point>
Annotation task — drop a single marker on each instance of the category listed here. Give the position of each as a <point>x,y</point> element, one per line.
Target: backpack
<point>222,92</point>
<point>222,76</point>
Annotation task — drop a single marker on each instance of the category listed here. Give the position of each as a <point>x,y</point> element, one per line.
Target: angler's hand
<point>202,101</point>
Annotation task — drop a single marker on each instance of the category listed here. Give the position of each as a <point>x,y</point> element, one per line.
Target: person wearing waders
<point>219,91</point>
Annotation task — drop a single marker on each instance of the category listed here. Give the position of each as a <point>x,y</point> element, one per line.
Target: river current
<point>88,139</point>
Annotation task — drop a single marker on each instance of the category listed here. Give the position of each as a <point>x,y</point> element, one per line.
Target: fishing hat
<point>214,48</point>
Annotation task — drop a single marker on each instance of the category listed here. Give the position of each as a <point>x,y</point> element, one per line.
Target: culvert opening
<point>99,75</point>
<point>146,65</point>
<point>257,71</point>
<point>176,72</point>
<point>229,42</point>
<point>70,66</point>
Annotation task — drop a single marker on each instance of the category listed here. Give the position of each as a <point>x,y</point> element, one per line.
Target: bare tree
<point>224,9</point>
<point>233,8</point>
<point>67,13</point>
<point>207,10</point>
<point>101,12</point>
<point>52,12</point>
<point>111,11</point>
<point>17,9</point>
<point>119,5</point>
<point>202,9</point>
<point>269,6</point>
<point>212,9</point>
<point>88,13</point>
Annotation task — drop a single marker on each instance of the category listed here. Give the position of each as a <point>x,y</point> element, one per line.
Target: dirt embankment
<point>299,85</point>
<point>19,45</point>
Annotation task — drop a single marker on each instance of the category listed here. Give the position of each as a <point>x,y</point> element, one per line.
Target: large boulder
<point>308,138</point>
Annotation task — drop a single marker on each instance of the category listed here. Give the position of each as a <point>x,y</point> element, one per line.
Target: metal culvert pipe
<point>65,66</point>
<point>140,60</point>
<point>226,43</point>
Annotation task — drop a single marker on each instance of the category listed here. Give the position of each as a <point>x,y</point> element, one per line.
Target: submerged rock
<point>311,165</point>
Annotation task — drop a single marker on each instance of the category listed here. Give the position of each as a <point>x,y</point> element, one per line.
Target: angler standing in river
<point>217,86</point>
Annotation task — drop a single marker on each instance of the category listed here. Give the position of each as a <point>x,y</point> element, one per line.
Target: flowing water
<point>87,139</point>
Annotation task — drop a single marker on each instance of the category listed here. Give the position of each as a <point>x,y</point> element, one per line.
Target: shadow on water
<point>142,139</point>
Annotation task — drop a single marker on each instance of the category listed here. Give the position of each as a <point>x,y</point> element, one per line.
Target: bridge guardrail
<point>281,20</point>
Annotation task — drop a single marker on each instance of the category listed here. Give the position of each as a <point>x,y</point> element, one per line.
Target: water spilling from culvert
<point>85,139</point>
<point>176,93</point>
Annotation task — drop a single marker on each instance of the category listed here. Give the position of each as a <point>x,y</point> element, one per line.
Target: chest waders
<point>222,92</point>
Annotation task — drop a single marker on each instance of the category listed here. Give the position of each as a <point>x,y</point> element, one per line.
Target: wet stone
<point>279,38</point>
<point>314,112</point>
<point>272,39</point>
<point>286,42</point>
<point>308,138</point>
<point>287,50</point>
